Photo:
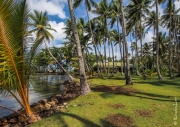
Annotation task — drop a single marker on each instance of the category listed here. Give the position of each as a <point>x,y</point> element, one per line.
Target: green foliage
<point>14,19</point>
<point>163,70</point>
<point>150,73</point>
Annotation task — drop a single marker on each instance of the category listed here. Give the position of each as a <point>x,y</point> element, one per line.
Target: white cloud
<point>59,35</point>
<point>53,7</point>
<point>177,5</point>
<point>148,37</point>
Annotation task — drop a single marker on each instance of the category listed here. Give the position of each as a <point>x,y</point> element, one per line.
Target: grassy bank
<point>149,103</point>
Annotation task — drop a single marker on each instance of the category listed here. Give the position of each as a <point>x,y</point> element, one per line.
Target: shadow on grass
<point>111,91</point>
<point>174,82</point>
<point>86,122</point>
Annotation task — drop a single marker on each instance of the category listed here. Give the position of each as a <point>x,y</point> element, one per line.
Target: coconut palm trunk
<point>120,47</point>
<point>157,43</point>
<point>128,75</point>
<point>112,58</point>
<point>94,44</point>
<point>170,46</point>
<point>84,85</point>
<point>64,70</point>
<point>136,49</point>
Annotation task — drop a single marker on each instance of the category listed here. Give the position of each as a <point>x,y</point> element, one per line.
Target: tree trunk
<point>142,65</point>
<point>85,89</point>
<point>105,55</point>
<point>157,43</point>
<point>128,75</point>
<point>112,58</point>
<point>94,44</point>
<point>120,47</point>
<point>132,53</point>
<point>178,53</point>
<point>137,65</point>
<point>64,70</point>
<point>170,49</point>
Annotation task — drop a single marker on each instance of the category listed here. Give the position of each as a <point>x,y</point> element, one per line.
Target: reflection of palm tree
<point>40,22</point>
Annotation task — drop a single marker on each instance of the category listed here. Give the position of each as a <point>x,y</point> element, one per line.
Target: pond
<point>41,86</point>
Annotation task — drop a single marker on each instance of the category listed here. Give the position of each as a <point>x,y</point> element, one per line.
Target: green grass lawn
<point>155,98</point>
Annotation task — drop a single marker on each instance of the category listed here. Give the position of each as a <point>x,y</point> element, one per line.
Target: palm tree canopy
<point>41,25</point>
<point>88,3</point>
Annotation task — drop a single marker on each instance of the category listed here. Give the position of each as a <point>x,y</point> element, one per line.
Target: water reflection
<point>42,86</point>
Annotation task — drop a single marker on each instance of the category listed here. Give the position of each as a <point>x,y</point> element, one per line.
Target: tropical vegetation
<point>93,46</point>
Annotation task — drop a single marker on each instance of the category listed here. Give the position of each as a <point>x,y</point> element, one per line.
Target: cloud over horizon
<point>53,7</point>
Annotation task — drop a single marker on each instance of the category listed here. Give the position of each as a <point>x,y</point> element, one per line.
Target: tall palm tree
<point>42,28</point>
<point>157,36</point>
<point>103,12</point>
<point>88,4</point>
<point>128,75</point>
<point>137,10</point>
<point>84,85</point>
<point>169,13</point>
<point>115,18</point>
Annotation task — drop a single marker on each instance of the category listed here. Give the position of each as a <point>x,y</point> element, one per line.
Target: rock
<point>13,120</point>
<point>52,103</point>
<point>45,100</point>
<point>42,102</point>
<point>66,106</point>
<point>6,125</point>
<point>33,118</point>
<point>16,125</point>
<point>47,106</point>
<point>3,124</point>
<point>61,106</point>
<point>58,95</point>
<point>56,108</point>
<point>55,100</point>
<point>65,103</point>
<point>21,119</point>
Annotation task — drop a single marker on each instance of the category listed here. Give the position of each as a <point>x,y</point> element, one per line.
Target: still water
<point>41,86</point>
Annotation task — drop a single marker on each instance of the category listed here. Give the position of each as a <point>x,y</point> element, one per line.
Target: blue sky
<point>59,12</point>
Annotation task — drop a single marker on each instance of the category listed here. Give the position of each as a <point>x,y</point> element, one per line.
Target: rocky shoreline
<point>45,107</point>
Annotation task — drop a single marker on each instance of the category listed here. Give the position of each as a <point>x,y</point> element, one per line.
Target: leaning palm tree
<point>127,75</point>
<point>42,28</point>
<point>14,18</point>
<point>84,85</point>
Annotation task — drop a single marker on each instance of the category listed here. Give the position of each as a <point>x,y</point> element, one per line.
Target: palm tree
<point>41,28</point>
<point>157,36</point>
<point>128,75</point>
<point>137,10</point>
<point>88,4</point>
<point>169,13</point>
<point>115,17</point>
<point>14,69</point>
<point>103,12</point>
<point>84,85</point>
